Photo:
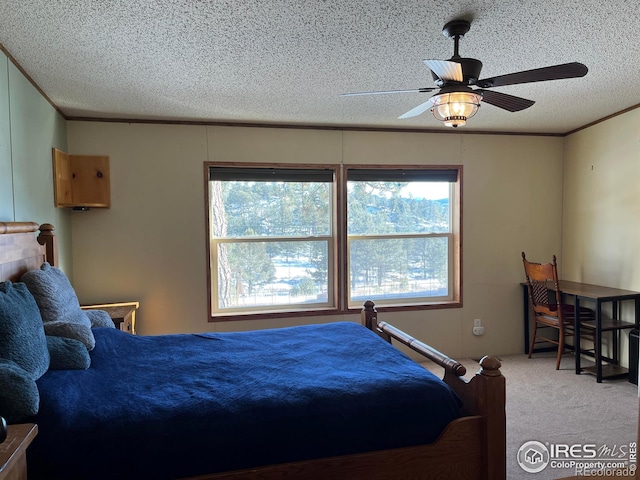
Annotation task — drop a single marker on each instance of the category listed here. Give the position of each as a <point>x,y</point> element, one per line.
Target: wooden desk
<point>598,295</point>
<point>13,451</point>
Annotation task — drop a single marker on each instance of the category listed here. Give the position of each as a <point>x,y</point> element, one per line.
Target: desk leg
<point>615,334</point>
<point>598,356</point>
<point>576,334</point>
<point>525,291</point>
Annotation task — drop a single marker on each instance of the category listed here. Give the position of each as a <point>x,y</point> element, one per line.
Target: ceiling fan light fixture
<point>456,101</point>
<point>455,108</point>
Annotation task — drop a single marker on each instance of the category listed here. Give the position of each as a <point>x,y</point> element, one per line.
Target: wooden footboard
<point>483,395</point>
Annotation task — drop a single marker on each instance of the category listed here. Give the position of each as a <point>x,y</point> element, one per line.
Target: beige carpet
<point>560,407</point>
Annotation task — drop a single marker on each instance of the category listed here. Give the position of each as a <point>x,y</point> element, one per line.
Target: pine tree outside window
<point>307,240</point>
<point>401,239</point>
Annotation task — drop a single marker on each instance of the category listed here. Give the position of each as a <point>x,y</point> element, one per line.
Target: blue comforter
<point>165,407</point>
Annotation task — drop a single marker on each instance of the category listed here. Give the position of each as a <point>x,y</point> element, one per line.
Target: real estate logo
<point>586,459</point>
<point>533,457</point>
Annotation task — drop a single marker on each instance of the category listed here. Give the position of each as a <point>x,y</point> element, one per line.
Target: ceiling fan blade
<point>504,101</point>
<point>414,112</point>
<point>556,72</point>
<point>415,90</point>
<point>445,69</point>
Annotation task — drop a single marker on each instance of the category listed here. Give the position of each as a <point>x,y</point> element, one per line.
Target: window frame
<point>340,244</point>
<point>455,260</point>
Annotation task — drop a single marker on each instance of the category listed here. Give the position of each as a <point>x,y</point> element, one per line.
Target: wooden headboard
<point>22,250</point>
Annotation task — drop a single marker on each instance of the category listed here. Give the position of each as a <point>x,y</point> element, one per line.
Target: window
<point>400,236</point>
<point>296,240</point>
<point>272,239</point>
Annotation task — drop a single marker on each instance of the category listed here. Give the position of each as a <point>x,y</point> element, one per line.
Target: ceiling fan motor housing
<point>471,69</point>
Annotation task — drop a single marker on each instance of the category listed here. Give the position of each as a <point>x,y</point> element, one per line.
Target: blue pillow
<point>19,397</point>
<point>59,306</point>
<point>22,338</point>
<point>67,354</point>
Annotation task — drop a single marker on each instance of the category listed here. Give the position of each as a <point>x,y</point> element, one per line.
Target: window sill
<point>330,312</point>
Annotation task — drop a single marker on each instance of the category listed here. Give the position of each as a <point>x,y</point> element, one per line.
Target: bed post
<point>368,315</point>
<point>488,397</point>
<point>483,395</point>
<point>369,318</point>
<point>50,242</point>
<point>494,386</point>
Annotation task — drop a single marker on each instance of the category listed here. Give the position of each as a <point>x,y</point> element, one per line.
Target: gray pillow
<point>67,354</point>
<point>59,306</point>
<point>99,318</point>
<point>19,396</point>
<point>75,331</point>
<point>22,339</point>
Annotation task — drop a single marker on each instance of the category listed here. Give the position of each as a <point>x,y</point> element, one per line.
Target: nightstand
<point>123,314</point>
<point>13,451</point>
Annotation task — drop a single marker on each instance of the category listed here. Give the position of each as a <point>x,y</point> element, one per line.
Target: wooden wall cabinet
<point>81,180</point>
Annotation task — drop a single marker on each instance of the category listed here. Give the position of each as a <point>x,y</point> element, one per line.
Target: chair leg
<point>560,349</point>
<point>533,337</point>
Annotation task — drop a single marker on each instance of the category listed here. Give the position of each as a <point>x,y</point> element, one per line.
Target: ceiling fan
<point>456,101</point>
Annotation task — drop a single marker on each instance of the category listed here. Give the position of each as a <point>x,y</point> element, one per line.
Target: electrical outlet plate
<point>478,331</point>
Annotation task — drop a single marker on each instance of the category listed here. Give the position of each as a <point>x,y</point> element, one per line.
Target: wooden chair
<point>549,311</point>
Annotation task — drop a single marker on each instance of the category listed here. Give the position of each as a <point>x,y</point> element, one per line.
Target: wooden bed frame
<point>470,448</point>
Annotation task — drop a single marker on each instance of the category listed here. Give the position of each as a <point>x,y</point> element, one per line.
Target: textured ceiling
<point>286,62</point>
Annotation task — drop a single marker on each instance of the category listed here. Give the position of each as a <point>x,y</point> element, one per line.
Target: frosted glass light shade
<point>455,108</point>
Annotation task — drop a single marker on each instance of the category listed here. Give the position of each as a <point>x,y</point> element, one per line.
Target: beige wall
<point>601,242</point>
<point>29,128</point>
<point>576,197</point>
<point>150,246</point>
<point>601,231</point>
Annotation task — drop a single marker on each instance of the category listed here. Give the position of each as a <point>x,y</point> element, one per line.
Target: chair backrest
<point>541,277</point>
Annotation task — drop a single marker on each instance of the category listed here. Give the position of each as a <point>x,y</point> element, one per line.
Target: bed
<point>316,401</point>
